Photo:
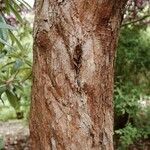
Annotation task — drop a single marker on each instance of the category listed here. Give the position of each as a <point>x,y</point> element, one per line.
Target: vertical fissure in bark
<point>77,62</point>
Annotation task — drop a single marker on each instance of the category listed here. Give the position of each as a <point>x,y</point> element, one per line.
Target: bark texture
<point>72,93</point>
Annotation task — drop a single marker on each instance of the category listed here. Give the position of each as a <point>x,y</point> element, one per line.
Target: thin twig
<point>128,23</point>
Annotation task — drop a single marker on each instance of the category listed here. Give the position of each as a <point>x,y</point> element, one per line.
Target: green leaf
<point>1,47</point>
<point>2,90</point>
<point>18,87</point>
<point>7,3</point>
<point>6,26</point>
<point>28,63</point>
<point>16,13</point>
<point>5,42</point>
<point>13,100</point>
<point>3,33</point>
<point>27,75</point>
<point>9,63</point>
<point>25,4</point>
<point>13,38</point>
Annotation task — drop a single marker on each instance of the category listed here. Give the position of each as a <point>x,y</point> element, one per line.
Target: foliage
<point>126,100</point>
<point>15,58</point>
<point>132,73</point>
<point>127,136</point>
<point>1,143</point>
<point>8,9</point>
<point>17,70</point>
<point>133,56</point>
<point>131,85</point>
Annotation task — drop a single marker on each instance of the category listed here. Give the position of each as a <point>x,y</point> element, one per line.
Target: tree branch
<point>134,21</point>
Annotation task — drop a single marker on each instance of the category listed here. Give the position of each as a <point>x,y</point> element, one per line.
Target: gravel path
<point>14,135</point>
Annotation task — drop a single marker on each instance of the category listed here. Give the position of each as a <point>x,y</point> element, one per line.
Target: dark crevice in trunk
<point>77,62</point>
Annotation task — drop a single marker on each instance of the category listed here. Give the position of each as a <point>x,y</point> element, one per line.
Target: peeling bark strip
<point>72,92</point>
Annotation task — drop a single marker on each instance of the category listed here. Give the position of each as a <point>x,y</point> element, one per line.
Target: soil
<point>14,135</point>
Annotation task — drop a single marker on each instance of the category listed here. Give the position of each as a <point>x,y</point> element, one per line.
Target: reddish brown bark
<point>72,93</point>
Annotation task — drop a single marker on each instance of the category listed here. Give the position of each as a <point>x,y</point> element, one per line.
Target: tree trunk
<point>72,93</point>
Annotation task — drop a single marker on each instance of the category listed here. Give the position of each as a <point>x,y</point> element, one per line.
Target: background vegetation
<point>132,82</point>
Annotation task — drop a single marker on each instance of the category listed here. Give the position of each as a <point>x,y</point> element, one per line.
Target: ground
<point>14,135</point>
